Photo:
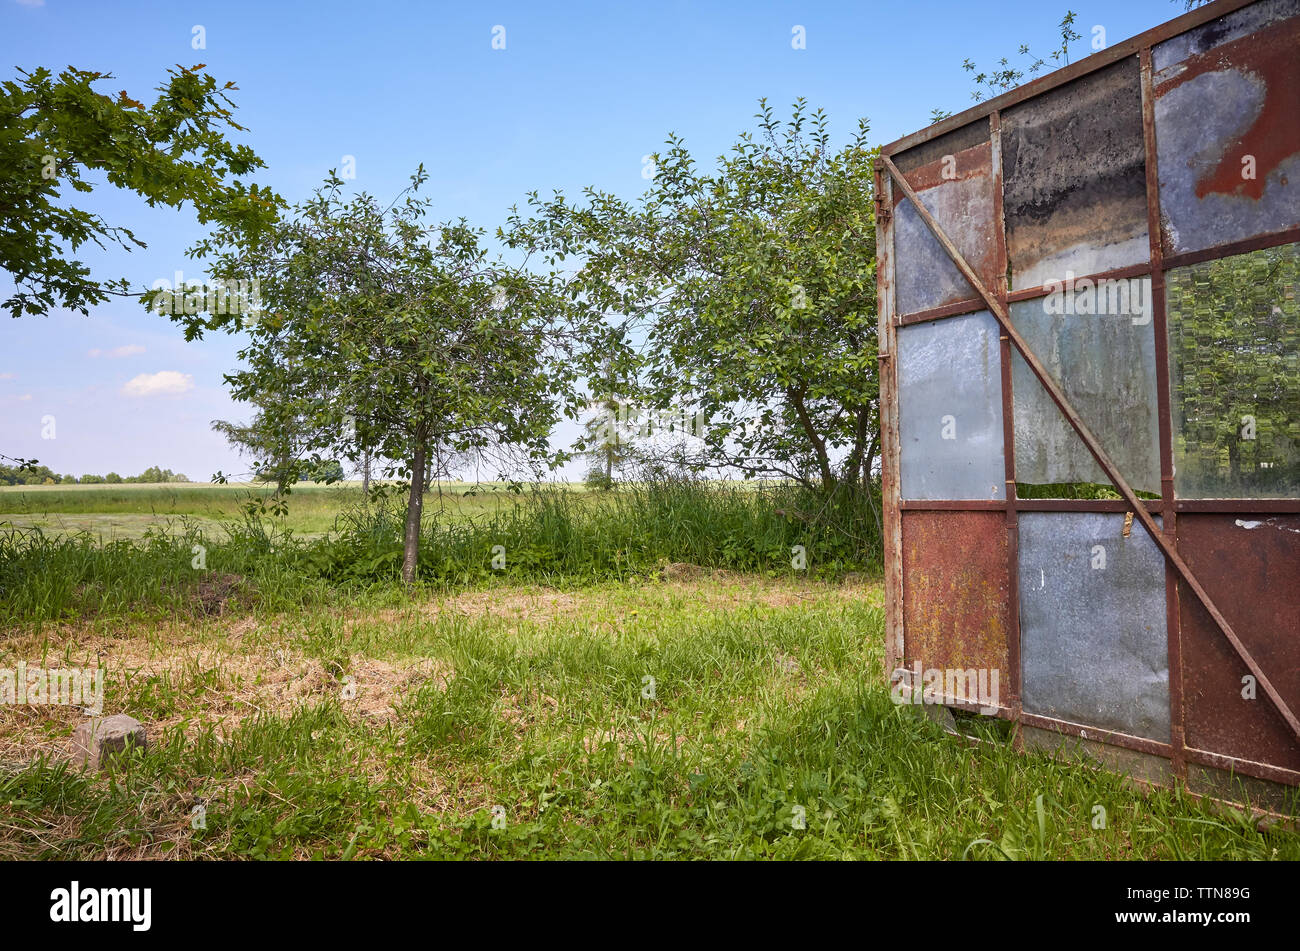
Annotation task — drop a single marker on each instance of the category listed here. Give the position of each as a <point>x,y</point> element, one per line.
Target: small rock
<point>98,740</point>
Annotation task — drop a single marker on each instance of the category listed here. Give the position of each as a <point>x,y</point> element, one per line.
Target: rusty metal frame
<point>890,472</point>
<point>998,310</point>
<point>1159,317</point>
<point>891,182</point>
<point>1113,54</point>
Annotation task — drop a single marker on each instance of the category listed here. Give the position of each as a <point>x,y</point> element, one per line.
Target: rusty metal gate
<point>1090,400</point>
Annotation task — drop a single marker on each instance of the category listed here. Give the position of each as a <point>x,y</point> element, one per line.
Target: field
<point>130,510</point>
<point>647,678</point>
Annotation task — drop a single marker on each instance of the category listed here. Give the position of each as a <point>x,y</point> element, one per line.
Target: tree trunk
<point>414,509</point>
<point>365,475</point>
<point>814,438</point>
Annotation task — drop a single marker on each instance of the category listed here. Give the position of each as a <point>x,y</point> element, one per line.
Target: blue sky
<point>580,93</point>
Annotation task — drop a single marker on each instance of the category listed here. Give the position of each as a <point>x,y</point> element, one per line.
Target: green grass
<point>646,676</point>
<point>129,510</point>
<point>532,706</point>
<point>550,535</point>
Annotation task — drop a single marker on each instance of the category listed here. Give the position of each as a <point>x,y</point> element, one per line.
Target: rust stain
<point>955,591</point>
<point>1271,56</point>
<point>1250,565</point>
<point>957,188</point>
<point>976,162</point>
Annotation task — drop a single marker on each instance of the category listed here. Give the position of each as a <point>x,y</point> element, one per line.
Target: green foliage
<point>58,128</point>
<point>328,471</point>
<point>154,474</point>
<point>1073,490</point>
<point>1234,343</point>
<point>386,336</point>
<point>30,474</point>
<point>43,475</point>
<point>752,287</point>
<point>1004,75</point>
<point>553,536</point>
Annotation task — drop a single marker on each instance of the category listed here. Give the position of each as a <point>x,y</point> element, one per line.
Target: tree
<point>751,290</point>
<point>388,336</point>
<point>605,440</point>
<point>54,130</point>
<point>275,439</point>
<point>1234,332</point>
<point>604,443</point>
<point>1006,75</point>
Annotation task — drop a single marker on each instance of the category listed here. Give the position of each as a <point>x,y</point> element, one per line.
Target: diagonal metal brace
<point>1112,472</point>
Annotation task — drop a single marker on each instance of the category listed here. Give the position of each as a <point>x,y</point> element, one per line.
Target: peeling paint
<point>957,190</point>
<point>1227,133</point>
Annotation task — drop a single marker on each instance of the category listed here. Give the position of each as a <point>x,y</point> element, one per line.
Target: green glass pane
<point>1234,360</point>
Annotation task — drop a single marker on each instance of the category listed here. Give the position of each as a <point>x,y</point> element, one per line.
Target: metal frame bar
<point>1155,238</point>
<point>1008,428</point>
<point>1026,505</point>
<point>890,470</point>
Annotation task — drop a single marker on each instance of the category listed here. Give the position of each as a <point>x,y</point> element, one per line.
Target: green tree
<point>1004,74</point>
<point>391,336</point>
<point>1234,350</point>
<point>55,129</point>
<point>276,439</point>
<point>749,292</point>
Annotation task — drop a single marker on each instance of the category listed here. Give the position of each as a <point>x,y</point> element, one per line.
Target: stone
<point>98,740</point>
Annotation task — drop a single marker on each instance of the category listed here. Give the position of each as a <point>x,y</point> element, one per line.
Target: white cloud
<point>162,383</point>
<point>127,350</point>
<point>31,3</point>
<point>8,376</point>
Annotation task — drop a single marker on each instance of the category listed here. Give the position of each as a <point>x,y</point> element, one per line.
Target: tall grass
<point>553,535</point>
<point>550,535</point>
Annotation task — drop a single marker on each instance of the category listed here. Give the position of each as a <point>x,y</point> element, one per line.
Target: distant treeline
<point>43,475</point>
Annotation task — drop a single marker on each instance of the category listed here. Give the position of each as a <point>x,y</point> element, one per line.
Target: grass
<point>647,675</point>
<point>522,722</point>
<point>129,510</point>
<point>551,536</point>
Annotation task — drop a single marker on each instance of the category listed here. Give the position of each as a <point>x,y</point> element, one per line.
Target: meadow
<point>646,674</point>
<point>128,510</point>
